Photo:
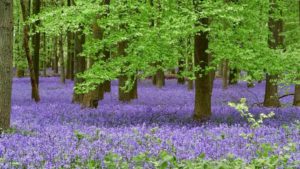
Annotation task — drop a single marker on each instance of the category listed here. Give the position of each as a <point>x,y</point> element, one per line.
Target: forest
<point>166,84</point>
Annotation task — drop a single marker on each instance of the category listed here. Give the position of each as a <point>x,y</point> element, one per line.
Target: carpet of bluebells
<point>54,132</point>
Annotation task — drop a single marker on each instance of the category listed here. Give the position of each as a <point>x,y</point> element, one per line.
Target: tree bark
<point>62,60</point>
<point>91,98</point>
<point>225,74</point>
<point>297,86</point>
<point>180,79</point>
<point>6,57</point>
<point>125,96</point>
<point>36,40</point>
<point>271,92</point>
<point>55,57</point>
<point>70,57</point>
<point>34,85</point>
<point>297,96</point>
<point>203,88</point>
<point>275,41</point>
<point>80,64</point>
<point>160,78</point>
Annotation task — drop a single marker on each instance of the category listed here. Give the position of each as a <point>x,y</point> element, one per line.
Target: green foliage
<point>243,109</point>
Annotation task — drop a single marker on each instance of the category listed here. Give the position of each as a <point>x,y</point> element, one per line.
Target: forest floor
<point>54,132</point>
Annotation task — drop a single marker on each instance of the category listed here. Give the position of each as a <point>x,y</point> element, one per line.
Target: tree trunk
<point>271,95</point>
<point>203,88</point>
<point>55,57</point>
<point>297,86</point>
<point>275,41</point>
<point>91,98</point>
<point>45,55</point>
<point>125,96</point>
<point>34,85</point>
<point>62,60</point>
<point>6,57</point>
<point>233,76</point>
<point>220,71</point>
<point>225,74</point>
<point>297,96</point>
<point>160,78</point>
<point>190,84</point>
<point>70,57</point>
<point>36,39</point>
<point>180,79</point>
<point>80,64</point>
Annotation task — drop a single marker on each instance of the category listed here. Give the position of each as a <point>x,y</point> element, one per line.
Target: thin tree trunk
<point>45,55</point>
<point>62,60</point>
<point>203,88</point>
<point>6,57</point>
<point>225,74</point>
<point>55,57</point>
<point>180,79</point>
<point>107,84</point>
<point>70,53</point>
<point>34,85</point>
<point>220,71</point>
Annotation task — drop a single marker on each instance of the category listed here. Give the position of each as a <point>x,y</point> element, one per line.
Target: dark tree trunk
<point>62,60</point>
<point>80,64</point>
<point>6,57</point>
<point>107,84</point>
<point>34,85</point>
<point>55,57</point>
<point>180,79</point>
<point>45,54</point>
<point>36,39</point>
<point>275,41</point>
<point>233,76</point>
<point>70,57</point>
<point>203,88</point>
<point>297,96</point>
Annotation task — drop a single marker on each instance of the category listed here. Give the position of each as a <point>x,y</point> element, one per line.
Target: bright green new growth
<point>243,109</point>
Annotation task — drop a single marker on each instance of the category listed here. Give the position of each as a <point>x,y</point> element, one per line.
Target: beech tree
<point>6,61</point>
<point>25,4</point>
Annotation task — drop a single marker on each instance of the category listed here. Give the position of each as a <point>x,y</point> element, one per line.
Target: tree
<point>203,92</point>
<point>297,86</point>
<point>275,41</point>
<point>36,39</point>
<point>6,57</point>
<point>34,84</point>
